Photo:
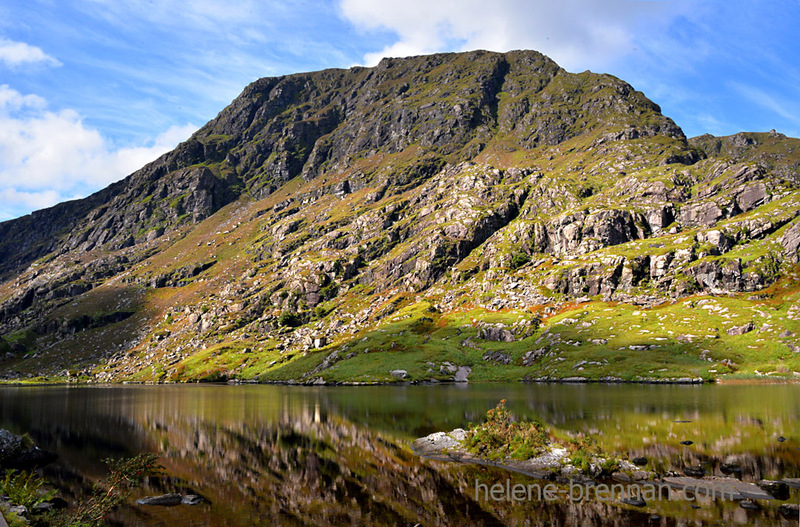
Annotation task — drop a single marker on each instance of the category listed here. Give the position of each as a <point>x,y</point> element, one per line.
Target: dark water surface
<point>290,455</point>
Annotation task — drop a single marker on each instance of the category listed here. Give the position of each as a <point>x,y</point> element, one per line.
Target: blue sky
<point>91,90</point>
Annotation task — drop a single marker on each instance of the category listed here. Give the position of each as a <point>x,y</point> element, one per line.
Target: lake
<point>295,455</point>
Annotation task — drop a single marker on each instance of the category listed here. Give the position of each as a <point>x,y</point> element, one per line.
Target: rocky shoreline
<point>554,465</point>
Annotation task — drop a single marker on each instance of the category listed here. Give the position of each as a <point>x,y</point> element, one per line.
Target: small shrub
<point>328,292</point>
<point>500,436</point>
<point>519,259</point>
<point>581,460</point>
<point>124,475</point>
<point>25,488</point>
<point>289,319</point>
<point>583,449</point>
<point>609,466</point>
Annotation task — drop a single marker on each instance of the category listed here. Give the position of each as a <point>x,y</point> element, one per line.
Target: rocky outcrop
<point>724,275</point>
<point>17,452</point>
<point>791,242</point>
<point>586,231</point>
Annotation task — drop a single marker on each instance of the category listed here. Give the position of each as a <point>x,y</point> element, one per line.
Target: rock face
<point>18,453</point>
<point>291,219</point>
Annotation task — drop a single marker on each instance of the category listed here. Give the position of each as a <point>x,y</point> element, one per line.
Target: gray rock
<point>438,442</point>
<point>791,242</point>
<point>729,488</point>
<point>165,500</point>
<point>779,489</point>
<point>730,468</point>
<point>532,356</point>
<point>496,334</point>
<point>16,454</point>
<point>694,471</point>
<point>749,505</point>
<point>789,511</point>
<point>634,501</point>
<point>740,330</point>
<point>705,214</point>
<point>462,374</point>
<point>752,196</point>
<point>192,499</point>
<point>498,357</point>
<point>793,483</point>
<point>399,374</point>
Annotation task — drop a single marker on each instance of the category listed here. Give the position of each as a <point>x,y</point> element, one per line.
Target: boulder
<point>497,357</point>
<point>793,483</point>
<point>705,214</point>
<point>496,334</point>
<point>791,242</point>
<point>439,441</point>
<point>462,374</point>
<point>752,196</point>
<point>634,501</point>
<point>399,374</point>
<point>192,499</point>
<point>18,453</point>
<point>165,500</point>
<point>740,330</point>
<point>749,505</point>
<point>789,511</point>
<point>695,472</point>
<point>779,489</point>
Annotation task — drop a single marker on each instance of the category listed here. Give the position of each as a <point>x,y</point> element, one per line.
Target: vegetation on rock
<point>500,436</point>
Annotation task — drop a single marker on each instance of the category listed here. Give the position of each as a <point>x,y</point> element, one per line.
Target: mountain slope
<point>443,211</point>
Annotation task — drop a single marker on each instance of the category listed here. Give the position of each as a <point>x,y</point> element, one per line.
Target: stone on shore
<point>165,500</point>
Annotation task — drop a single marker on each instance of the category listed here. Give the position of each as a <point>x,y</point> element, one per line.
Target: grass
<point>25,488</point>
<point>593,341</point>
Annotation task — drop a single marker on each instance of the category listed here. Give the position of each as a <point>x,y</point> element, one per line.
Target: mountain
<point>481,216</point>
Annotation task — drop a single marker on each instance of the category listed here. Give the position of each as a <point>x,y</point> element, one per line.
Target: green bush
<point>519,259</point>
<point>500,436</point>
<point>290,319</point>
<point>328,292</point>
<point>583,449</point>
<point>25,488</point>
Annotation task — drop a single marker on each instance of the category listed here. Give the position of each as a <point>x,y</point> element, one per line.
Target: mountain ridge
<point>317,206</point>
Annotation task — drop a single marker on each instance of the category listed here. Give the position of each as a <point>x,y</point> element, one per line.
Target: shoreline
<point>683,381</point>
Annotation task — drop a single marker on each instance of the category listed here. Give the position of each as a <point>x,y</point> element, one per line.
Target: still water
<point>290,455</point>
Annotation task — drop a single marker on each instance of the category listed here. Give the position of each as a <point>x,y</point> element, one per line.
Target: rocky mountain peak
<point>318,206</point>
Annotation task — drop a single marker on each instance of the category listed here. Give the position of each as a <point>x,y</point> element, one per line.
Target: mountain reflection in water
<point>340,456</point>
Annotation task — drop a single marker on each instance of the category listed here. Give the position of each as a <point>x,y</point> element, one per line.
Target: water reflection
<point>339,456</point>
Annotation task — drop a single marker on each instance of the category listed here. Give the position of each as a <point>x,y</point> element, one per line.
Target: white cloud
<point>14,54</point>
<point>47,157</point>
<point>25,201</point>
<point>774,103</point>
<point>577,34</point>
